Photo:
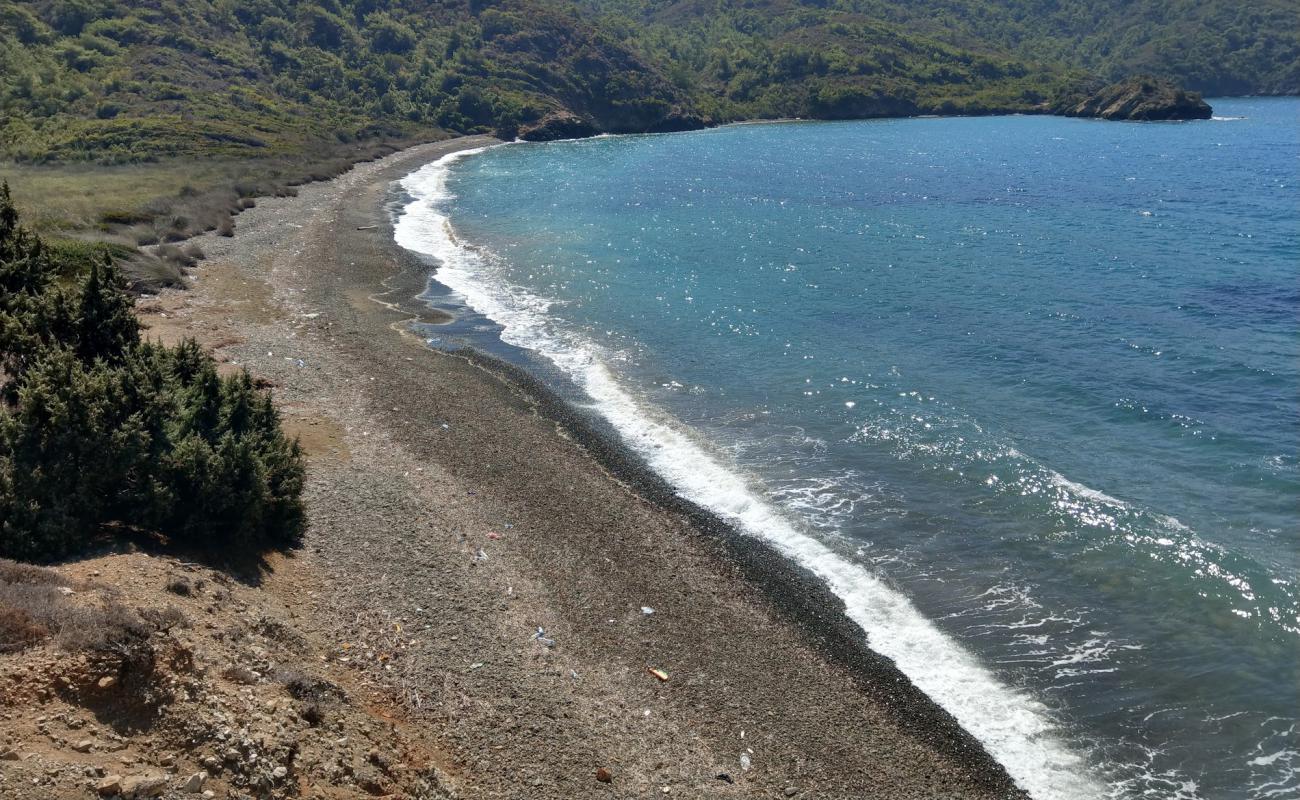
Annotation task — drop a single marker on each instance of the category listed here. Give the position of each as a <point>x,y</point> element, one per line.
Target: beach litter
<point>481,555</point>
<point>647,610</point>
<point>725,778</point>
<point>604,776</point>
<point>745,762</point>
<point>658,673</point>
<point>541,637</point>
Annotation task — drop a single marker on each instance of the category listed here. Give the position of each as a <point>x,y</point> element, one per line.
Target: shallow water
<point>1023,390</point>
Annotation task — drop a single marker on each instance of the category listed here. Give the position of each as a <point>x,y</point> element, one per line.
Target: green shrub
<point>97,427</point>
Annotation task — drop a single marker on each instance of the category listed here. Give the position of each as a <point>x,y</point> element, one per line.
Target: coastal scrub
<point>102,431</point>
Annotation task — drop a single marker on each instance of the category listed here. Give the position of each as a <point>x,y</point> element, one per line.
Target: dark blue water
<point>1039,376</point>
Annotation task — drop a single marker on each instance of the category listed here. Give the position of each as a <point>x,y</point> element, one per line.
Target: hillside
<point>1215,47</point>
<point>115,81</point>
<point>781,58</point>
<point>190,108</point>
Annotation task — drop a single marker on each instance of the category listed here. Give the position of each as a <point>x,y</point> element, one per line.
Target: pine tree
<point>106,323</point>
<point>98,427</point>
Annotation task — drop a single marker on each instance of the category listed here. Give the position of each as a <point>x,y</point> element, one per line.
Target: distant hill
<point>974,52</point>
<point>1217,47</point>
<point>117,81</point>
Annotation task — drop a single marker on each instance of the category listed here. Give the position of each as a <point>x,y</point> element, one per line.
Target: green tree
<point>99,428</point>
<point>106,323</point>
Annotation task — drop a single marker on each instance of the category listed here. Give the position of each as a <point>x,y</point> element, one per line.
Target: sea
<point>1024,391</point>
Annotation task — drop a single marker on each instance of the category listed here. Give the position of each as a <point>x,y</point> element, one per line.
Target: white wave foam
<point>1015,728</point>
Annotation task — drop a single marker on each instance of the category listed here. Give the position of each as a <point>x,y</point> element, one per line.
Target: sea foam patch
<point>1015,728</point>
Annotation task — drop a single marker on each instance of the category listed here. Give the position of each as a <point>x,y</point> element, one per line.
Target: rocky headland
<point>1142,98</point>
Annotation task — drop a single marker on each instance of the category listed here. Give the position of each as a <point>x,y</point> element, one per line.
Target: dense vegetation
<point>977,52</point>
<point>781,58</point>
<point>117,81</point>
<point>1216,47</point>
<point>114,81</point>
<point>99,428</point>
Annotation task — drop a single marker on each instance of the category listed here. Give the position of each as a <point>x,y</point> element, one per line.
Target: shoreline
<point>780,597</point>
<point>812,587</point>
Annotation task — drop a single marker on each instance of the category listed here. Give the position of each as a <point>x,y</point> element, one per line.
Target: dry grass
<point>164,202</point>
<point>37,603</point>
<point>19,630</point>
<point>14,572</point>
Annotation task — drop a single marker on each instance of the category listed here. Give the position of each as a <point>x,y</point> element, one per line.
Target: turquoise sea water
<point>1023,390</point>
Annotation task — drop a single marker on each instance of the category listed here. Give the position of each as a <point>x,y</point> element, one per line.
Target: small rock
<point>790,791</point>
<point>194,783</point>
<point>109,785</point>
<point>106,682</point>
<point>11,754</point>
<point>280,773</point>
<point>83,746</point>
<point>604,776</point>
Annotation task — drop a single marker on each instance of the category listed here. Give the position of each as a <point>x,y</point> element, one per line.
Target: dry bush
<point>148,273</point>
<point>226,227</point>
<point>104,626</point>
<point>36,603</point>
<point>17,572</point>
<point>180,586</point>
<point>18,630</point>
<point>174,254</point>
<point>164,619</point>
<point>239,673</point>
<point>302,686</point>
<point>313,714</point>
<point>277,631</point>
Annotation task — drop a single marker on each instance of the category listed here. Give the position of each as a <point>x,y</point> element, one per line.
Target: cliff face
<point>1140,98</point>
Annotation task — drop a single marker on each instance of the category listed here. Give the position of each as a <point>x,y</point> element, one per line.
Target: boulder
<point>138,787</point>
<point>109,785</point>
<point>1143,98</point>
<point>194,783</point>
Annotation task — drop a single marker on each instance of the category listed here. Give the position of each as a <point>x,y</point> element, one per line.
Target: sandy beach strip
<point>487,554</point>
